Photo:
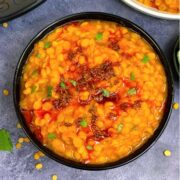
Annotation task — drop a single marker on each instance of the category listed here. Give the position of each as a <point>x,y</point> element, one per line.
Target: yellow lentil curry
<point>93,91</point>
<point>171,6</point>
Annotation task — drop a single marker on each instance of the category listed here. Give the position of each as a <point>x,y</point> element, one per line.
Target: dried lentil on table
<point>176,106</point>
<point>5,25</point>
<point>39,166</point>
<point>167,153</point>
<point>5,92</point>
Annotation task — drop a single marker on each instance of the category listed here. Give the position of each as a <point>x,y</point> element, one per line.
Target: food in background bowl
<point>171,6</point>
<point>93,91</point>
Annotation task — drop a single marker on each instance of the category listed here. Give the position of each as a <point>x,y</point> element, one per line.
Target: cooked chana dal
<point>171,6</point>
<point>93,91</point>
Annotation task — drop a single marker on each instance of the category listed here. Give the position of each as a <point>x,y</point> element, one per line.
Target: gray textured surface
<point>19,165</point>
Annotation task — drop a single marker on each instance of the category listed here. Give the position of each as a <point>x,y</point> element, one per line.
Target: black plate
<point>10,9</point>
<point>96,16</point>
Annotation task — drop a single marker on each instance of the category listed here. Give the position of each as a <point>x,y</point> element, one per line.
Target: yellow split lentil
<point>93,91</point>
<point>18,126</point>
<point>5,25</point>
<point>21,140</point>
<point>36,156</point>
<point>54,177</point>
<point>167,152</point>
<point>5,92</point>
<point>41,154</point>
<point>18,145</point>
<point>176,106</point>
<point>39,166</point>
<point>26,140</point>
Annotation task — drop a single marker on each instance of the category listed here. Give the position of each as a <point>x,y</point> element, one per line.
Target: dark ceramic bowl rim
<point>96,16</point>
<point>175,59</point>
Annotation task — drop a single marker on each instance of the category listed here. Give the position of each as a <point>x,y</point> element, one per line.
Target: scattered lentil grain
<point>5,25</point>
<point>54,177</point>
<point>39,166</point>
<point>5,92</point>
<point>176,106</point>
<point>18,146</point>
<point>167,153</point>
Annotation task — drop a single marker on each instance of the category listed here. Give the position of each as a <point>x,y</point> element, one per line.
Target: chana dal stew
<point>171,6</point>
<point>93,91</point>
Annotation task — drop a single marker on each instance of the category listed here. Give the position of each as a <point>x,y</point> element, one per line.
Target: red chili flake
<point>114,45</point>
<point>37,132</point>
<point>67,124</point>
<point>112,116</point>
<point>124,106</point>
<point>71,55</point>
<point>40,113</point>
<point>28,115</point>
<point>72,68</point>
<point>137,104</point>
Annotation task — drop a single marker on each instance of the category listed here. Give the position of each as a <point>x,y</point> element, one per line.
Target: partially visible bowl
<point>151,11</point>
<point>176,56</point>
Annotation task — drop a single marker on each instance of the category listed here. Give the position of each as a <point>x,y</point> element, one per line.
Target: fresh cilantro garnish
<point>63,85</point>
<point>89,147</point>
<point>51,136</point>
<point>74,83</point>
<point>132,76</point>
<point>33,89</point>
<point>47,45</point>
<point>49,91</point>
<point>132,91</point>
<point>145,59</point>
<point>119,127</point>
<point>99,36</point>
<point>83,123</point>
<point>105,93</point>
<point>5,141</point>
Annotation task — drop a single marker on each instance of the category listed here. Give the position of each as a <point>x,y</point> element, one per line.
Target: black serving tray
<point>10,9</point>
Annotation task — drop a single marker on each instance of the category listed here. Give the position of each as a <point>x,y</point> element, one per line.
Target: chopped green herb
<point>132,76</point>
<point>119,127</point>
<point>51,136</point>
<point>49,91</point>
<point>35,72</point>
<point>63,85</point>
<point>145,59</point>
<point>132,91</point>
<point>74,83</point>
<point>5,140</point>
<point>38,55</point>
<point>89,147</point>
<point>83,123</point>
<point>105,93</point>
<point>33,89</point>
<point>47,45</point>
<point>99,36</point>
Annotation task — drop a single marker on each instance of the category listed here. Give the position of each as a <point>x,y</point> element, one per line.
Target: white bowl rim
<point>150,11</point>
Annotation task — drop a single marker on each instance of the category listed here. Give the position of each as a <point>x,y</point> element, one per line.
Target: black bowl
<point>96,16</point>
<point>175,58</point>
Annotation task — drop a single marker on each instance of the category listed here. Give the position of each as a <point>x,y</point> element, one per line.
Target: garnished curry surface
<point>93,91</point>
